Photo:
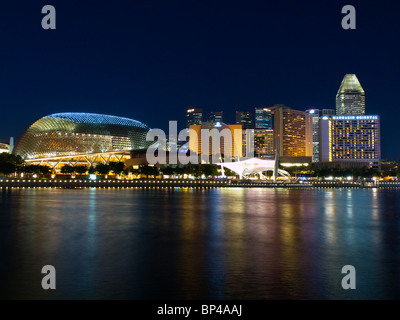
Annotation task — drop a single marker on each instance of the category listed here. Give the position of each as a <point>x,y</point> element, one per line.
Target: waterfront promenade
<point>186,183</point>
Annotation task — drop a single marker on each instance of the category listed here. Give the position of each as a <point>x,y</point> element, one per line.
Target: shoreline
<point>185,183</point>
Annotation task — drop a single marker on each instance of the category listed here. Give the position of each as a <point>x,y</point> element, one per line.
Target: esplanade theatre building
<point>80,138</point>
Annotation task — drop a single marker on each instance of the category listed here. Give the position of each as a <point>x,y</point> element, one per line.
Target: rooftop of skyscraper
<point>350,83</point>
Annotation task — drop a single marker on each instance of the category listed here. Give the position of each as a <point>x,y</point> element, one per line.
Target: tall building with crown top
<point>350,137</point>
<point>350,98</point>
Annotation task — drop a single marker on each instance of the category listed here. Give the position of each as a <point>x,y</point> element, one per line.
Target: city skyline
<point>196,156</point>
<point>299,130</point>
<point>151,61</point>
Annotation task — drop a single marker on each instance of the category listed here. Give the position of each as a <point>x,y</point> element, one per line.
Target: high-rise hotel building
<point>279,128</point>
<point>350,98</point>
<point>293,132</point>
<point>351,139</point>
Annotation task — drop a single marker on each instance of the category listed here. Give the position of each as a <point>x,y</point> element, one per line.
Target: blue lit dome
<point>68,134</point>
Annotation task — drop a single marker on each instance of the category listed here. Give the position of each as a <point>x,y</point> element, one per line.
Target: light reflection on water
<point>200,244</point>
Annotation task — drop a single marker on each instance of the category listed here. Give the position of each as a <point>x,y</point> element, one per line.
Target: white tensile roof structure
<point>252,166</point>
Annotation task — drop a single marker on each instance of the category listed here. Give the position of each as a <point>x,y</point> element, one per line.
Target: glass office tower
<point>245,119</point>
<point>194,117</point>
<point>350,98</point>
<point>263,118</point>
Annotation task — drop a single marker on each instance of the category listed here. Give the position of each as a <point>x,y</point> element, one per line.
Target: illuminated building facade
<point>77,138</point>
<point>350,98</point>
<point>216,116</point>
<point>294,130</point>
<point>245,119</point>
<point>263,118</point>
<point>258,143</point>
<point>316,115</point>
<point>351,138</point>
<point>194,117</point>
<point>264,143</point>
<point>213,139</point>
<point>4,147</point>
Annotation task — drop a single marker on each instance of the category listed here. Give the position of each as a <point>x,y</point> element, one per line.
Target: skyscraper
<point>294,129</point>
<point>350,98</point>
<point>194,117</point>
<point>216,116</point>
<point>316,115</point>
<point>263,118</point>
<point>245,119</point>
<point>264,143</point>
<point>213,140</point>
<point>351,139</point>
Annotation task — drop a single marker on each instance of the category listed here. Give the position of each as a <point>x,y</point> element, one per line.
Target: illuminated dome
<point>69,134</point>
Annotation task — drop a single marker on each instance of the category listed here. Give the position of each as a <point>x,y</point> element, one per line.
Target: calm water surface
<point>200,244</point>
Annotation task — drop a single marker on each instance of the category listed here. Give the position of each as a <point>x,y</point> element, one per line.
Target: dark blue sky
<point>150,60</point>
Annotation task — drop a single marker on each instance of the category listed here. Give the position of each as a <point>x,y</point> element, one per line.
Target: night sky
<point>151,60</point>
